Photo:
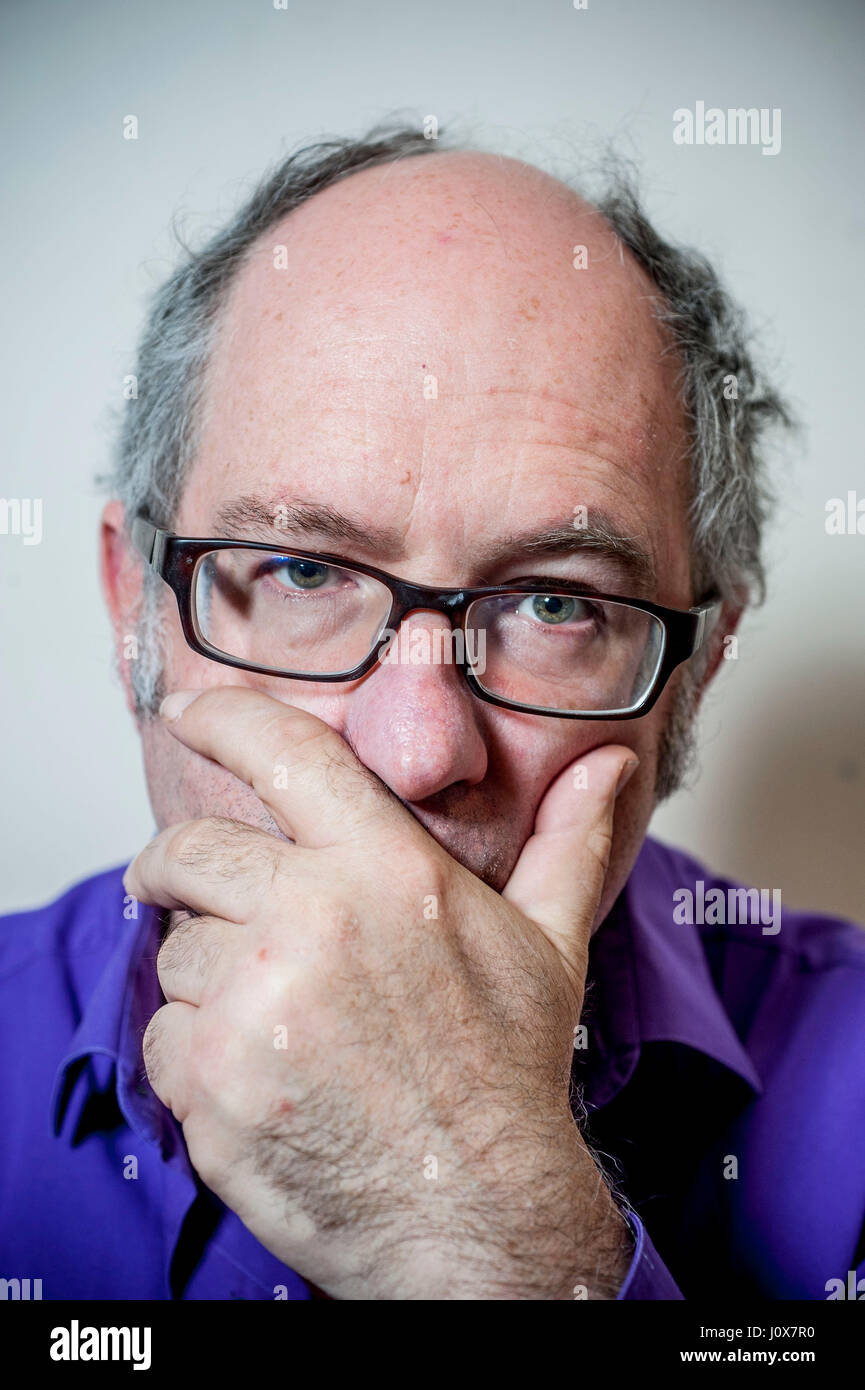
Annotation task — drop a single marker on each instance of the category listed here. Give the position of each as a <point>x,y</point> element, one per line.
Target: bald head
<point>419,308</point>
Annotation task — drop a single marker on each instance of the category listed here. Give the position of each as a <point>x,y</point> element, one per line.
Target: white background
<point>222,88</point>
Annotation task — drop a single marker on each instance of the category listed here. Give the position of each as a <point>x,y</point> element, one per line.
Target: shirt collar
<point>649,981</point>
<point>113,1023</point>
<point>106,1050</point>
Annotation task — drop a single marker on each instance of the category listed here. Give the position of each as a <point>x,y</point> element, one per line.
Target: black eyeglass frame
<point>175,558</point>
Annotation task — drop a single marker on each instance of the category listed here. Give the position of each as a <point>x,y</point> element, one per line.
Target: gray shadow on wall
<point>789,811</point>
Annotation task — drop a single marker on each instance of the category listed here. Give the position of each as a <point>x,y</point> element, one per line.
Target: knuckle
<point>202,1154</point>
<point>188,945</point>
<point>188,842</point>
<point>599,844</point>
<point>151,1047</point>
<point>202,1160</point>
<point>422,871</point>
<point>292,737</point>
<point>220,844</point>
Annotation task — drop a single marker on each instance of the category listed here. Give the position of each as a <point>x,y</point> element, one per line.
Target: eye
<point>299,574</point>
<point>552,609</point>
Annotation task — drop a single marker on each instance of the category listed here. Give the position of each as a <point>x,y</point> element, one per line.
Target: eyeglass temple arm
<point>149,540</point>
<point>707,614</point>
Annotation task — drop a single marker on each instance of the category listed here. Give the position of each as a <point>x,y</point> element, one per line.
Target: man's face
<point>431,364</point>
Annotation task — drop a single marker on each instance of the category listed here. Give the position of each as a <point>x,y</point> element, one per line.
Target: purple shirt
<point>722,1085</point>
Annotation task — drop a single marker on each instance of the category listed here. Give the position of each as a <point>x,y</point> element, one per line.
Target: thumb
<point>559,877</point>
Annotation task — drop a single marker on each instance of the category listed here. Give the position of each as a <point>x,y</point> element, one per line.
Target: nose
<point>414,721</point>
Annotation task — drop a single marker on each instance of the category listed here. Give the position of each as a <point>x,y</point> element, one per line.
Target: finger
<point>318,792</point>
<point>189,958</point>
<point>559,877</point>
<point>216,865</point>
<point>167,1048</point>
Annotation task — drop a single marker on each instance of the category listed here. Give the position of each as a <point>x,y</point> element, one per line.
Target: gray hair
<point>728,403</point>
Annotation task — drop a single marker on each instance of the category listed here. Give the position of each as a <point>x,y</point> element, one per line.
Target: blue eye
<point>300,574</point>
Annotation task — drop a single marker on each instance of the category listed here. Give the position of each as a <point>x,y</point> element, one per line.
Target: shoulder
<point>752,918</point>
<point>82,921</point>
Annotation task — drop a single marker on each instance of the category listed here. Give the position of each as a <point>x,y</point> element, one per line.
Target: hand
<point>368,1049</point>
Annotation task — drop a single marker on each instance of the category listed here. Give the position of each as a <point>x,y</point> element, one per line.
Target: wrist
<point>555,1233</point>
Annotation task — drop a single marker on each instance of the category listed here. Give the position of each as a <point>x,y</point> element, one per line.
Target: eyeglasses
<point>558,649</point>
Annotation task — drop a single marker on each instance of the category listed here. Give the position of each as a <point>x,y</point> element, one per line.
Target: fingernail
<point>627,772</point>
<point>173,705</point>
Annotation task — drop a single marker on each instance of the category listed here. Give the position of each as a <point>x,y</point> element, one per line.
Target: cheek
<point>184,786</point>
<point>533,750</point>
<point>185,670</point>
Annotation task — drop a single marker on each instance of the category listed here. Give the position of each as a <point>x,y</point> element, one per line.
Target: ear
<point>122,575</point>
<point>725,628</point>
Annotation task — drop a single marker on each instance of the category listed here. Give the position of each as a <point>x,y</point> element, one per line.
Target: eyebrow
<point>601,536</point>
<point>300,518</point>
<point>259,518</point>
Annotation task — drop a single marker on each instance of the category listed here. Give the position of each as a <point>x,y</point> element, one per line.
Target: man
<point>439,463</point>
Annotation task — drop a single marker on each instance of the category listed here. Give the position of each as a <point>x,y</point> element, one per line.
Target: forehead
<point>417,342</point>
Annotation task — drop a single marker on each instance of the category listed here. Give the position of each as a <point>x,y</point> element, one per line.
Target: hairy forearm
<point>556,1234</point>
